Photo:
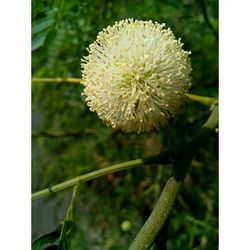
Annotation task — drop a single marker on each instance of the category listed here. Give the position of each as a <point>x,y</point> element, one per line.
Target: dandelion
<point>136,75</point>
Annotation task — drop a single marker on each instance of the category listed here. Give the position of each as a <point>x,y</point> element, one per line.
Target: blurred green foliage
<point>61,31</point>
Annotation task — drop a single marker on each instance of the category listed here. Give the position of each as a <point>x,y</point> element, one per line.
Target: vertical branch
<point>164,205</point>
<point>205,16</point>
<point>158,216</point>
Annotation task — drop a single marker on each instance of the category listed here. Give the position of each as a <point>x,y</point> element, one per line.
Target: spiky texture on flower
<point>136,75</point>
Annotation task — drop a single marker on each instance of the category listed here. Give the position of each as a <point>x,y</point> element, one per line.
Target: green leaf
<point>41,28</point>
<point>42,24</point>
<point>45,240</point>
<point>39,39</point>
<point>52,247</point>
<point>68,222</point>
<point>66,228</point>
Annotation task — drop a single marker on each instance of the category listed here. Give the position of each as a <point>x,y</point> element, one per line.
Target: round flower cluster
<point>136,75</point>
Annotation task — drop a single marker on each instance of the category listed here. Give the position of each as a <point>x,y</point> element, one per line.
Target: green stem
<point>164,205</point>
<point>56,79</point>
<point>162,158</point>
<point>158,216</point>
<point>202,99</point>
<point>201,223</point>
<point>87,177</point>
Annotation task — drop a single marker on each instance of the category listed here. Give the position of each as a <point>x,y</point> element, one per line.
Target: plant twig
<point>62,133</point>
<point>202,99</point>
<point>56,80</point>
<point>201,223</point>
<point>87,177</point>
<point>162,158</point>
<point>164,205</point>
<point>206,19</point>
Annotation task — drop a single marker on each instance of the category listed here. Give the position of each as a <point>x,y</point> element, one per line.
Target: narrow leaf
<point>45,240</point>
<point>42,24</point>
<point>39,39</point>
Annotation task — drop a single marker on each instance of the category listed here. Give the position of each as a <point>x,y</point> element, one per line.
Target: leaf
<point>42,24</point>
<point>68,222</point>
<point>66,228</point>
<point>45,240</point>
<point>41,28</point>
<point>52,247</point>
<point>39,39</point>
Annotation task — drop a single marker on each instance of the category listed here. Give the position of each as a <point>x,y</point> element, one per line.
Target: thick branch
<point>164,205</point>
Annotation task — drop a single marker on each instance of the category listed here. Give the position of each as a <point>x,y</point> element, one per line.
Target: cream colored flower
<point>136,75</point>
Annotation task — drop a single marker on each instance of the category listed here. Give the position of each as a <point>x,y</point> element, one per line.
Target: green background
<point>69,140</point>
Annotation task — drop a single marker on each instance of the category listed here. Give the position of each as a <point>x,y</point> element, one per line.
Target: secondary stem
<point>87,177</point>
<point>202,99</point>
<point>56,79</point>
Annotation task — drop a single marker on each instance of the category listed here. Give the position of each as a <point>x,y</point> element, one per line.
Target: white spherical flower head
<point>136,75</point>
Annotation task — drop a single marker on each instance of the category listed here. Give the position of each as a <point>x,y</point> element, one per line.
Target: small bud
<point>126,226</point>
